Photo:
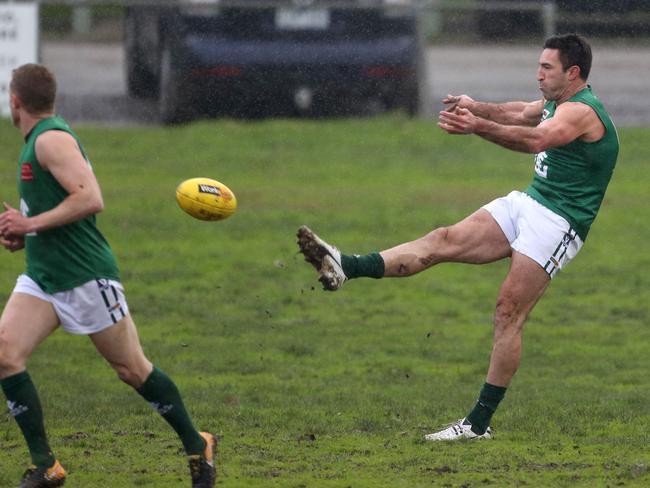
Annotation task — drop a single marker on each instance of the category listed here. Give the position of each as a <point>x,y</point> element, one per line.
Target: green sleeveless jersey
<point>64,257</point>
<point>571,180</point>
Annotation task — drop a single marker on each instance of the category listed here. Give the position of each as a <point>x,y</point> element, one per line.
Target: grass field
<point>314,389</point>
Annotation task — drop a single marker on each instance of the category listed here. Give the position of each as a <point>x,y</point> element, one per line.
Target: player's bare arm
<point>571,121</point>
<point>59,154</point>
<point>508,113</point>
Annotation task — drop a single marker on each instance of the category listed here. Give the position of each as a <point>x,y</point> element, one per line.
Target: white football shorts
<point>86,309</point>
<point>535,231</point>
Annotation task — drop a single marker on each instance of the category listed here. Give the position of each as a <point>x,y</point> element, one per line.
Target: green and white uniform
<point>571,180</point>
<point>550,220</point>
<point>66,258</point>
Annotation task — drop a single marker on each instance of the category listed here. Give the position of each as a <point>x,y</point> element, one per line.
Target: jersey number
<point>540,168</point>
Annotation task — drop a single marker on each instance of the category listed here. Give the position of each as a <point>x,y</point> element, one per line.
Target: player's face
<point>553,80</point>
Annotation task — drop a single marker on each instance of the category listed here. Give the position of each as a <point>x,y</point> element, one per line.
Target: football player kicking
<point>540,229</point>
<point>71,279</point>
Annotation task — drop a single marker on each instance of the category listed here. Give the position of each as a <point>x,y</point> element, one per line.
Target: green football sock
<point>25,407</point>
<point>370,265</point>
<point>487,403</point>
<point>161,392</point>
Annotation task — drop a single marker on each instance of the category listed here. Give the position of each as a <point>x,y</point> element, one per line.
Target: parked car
<point>248,57</point>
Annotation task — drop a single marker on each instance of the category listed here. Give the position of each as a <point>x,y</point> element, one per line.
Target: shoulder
<point>576,107</point>
<point>52,145</point>
<point>54,137</point>
<point>578,114</point>
<point>583,119</point>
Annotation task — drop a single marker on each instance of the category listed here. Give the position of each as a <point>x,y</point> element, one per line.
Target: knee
<point>437,236</point>
<point>508,316</point>
<point>11,361</point>
<point>124,373</point>
<point>133,376</point>
<point>434,246</point>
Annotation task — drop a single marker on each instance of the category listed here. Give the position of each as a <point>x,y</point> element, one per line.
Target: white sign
<point>18,43</point>
<point>299,19</point>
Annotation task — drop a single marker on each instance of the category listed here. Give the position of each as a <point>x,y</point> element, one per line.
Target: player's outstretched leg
<point>322,256</point>
<point>335,268</point>
<point>202,468</point>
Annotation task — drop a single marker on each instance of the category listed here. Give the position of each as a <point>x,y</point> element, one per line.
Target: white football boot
<point>456,431</point>
<point>322,256</point>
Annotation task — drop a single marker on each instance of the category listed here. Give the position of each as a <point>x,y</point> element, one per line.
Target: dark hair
<point>35,87</point>
<point>574,51</point>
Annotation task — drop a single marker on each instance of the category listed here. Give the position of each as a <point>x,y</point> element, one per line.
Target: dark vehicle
<point>247,58</point>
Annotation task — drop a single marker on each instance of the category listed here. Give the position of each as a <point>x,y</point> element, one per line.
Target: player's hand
<point>457,101</point>
<point>13,243</point>
<point>13,223</point>
<point>461,121</point>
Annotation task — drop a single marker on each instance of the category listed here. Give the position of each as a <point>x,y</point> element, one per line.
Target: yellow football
<point>206,199</point>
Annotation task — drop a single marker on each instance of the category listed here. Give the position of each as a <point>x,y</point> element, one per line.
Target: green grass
<point>314,389</point>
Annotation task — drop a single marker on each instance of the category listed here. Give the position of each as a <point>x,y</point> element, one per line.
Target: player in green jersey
<point>71,280</point>
<point>540,229</point>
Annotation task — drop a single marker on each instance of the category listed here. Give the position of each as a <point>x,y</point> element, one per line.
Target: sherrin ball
<point>206,199</point>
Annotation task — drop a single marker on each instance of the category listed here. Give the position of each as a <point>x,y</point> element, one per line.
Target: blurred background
<point>169,62</point>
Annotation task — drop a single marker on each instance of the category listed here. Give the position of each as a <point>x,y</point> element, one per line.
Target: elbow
<point>96,206</point>
<point>99,206</point>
